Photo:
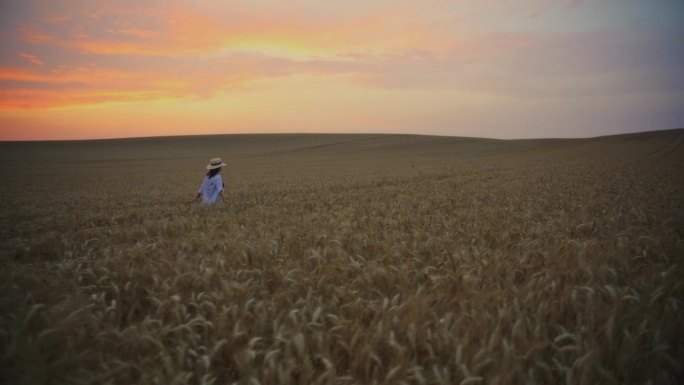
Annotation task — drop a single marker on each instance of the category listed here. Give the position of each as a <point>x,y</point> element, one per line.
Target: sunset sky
<point>485,68</point>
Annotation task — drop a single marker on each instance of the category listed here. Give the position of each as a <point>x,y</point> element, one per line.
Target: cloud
<point>32,58</point>
<point>184,28</point>
<point>181,50</point>
<point>173,79</point>
<point>536,66</point>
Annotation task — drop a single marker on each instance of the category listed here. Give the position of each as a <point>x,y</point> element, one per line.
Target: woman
<point>212,186</point>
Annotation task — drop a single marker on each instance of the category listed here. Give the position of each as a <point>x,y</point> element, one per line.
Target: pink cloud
<point>32,58</point>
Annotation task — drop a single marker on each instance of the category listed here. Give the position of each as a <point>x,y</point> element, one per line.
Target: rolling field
<point>344,259</point>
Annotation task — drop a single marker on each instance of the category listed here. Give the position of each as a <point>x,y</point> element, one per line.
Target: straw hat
<point>215,163</point>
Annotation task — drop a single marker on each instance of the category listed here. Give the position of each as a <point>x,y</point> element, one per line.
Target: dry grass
<point>344,260</point>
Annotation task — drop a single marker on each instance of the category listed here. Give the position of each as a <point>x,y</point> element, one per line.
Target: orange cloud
<point>32,58</point>
<point>225,51</point>
<point>78,75</point>
<point>68,86</point>
<point>27,99</point>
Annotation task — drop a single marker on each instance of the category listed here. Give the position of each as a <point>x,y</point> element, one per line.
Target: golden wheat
<point>555,263</point>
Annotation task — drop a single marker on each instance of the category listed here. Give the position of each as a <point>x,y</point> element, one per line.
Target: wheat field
<point>344,259</point>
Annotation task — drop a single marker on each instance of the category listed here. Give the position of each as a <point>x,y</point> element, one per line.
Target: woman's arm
<point>219,185</point>
<point>196,197</point>
<point>200,192</point>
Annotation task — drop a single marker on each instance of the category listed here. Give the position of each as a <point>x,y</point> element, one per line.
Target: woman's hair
<point>212,173</point>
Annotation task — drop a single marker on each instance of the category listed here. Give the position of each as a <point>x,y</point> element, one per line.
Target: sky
<point>485,68</point>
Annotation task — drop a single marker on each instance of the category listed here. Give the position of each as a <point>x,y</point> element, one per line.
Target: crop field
<point>344,259</point>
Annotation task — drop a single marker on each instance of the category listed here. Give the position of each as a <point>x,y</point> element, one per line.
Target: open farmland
<point>344,259</point>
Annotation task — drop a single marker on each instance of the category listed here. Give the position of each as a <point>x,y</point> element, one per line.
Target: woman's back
<point>211,189</point>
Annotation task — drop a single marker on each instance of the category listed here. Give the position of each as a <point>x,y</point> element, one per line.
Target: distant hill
<point>266,148</point>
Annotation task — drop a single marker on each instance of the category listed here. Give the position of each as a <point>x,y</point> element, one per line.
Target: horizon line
<point>324,134</point>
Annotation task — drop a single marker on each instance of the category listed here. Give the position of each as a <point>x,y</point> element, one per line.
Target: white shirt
<point>210,189</point>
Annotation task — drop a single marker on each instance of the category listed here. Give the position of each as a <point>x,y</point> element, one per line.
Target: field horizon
<point>344,259</point>
<point>245,146</point>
